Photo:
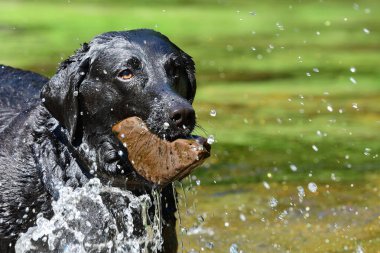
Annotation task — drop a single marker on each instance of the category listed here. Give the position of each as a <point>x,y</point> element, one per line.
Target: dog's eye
<point>126,74</point>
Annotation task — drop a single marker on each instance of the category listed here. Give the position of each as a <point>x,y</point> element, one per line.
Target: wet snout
<point>171,116</point>
<point>182,116</point>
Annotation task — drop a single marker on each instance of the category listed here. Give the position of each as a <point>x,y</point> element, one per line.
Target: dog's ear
<point>60,94</point>
<point>190,71</point>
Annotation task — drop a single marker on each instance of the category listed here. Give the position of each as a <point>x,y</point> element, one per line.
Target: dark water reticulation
<point>95,218</point>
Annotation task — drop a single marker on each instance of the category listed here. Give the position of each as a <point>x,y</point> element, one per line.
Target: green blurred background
<point>295,86</point>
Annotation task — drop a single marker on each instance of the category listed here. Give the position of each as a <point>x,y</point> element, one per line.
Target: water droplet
<point>273,202</point>
<point>82,73</point>
<point>353,69</point>
<point>105,72</point>
<point>211,139</point>
<point>198,182</point>
<point>366,31</point>
<point>315,148</point>
<point>209,245</point>
<point>359,249</point>
<point>213,113</point>
<point>353,80</point>
<point>120,153</point>
<point>200,219</point>
<point>316,70</point>
<point>312,187</point>
<point>301,193</point>
<point>166,125</point>
<point>266,185</point>
<point>280,26</point>
<point>234,248</point>
<point>253,48</point>
<point>242,217</point>
<point>84,147</point>
<point>293,167</point>
<point>329,108</point>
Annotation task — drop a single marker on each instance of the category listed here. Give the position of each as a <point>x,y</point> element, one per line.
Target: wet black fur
<point>43,140</point>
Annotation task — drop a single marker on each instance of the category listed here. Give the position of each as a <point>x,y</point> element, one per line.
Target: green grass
<point>253,59</point>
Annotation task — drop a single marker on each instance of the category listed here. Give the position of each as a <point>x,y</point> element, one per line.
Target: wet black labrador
<point>46,124</point>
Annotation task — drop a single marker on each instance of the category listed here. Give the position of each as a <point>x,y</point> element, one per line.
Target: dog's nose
<point>183,116</point>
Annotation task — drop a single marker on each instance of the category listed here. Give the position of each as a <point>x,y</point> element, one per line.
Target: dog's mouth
<point>168,131</point>
<point>158,160</point>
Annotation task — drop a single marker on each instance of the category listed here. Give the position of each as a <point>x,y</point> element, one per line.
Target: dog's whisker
<point>199,127</point>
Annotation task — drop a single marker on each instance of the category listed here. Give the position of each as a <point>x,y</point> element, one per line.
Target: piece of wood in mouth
<point>158,160</point>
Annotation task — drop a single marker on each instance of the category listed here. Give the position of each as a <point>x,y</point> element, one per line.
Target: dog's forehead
<point>152,45</point>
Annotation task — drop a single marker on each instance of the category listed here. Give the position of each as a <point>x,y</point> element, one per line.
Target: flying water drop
<point>211,139</point>
<point>312,187</point>
<point>213,113</point>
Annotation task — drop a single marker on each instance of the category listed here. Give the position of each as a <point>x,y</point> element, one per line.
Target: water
<point>211,139</point>
<point>301,220</point>
<point>96,218</point>
<point>312,187</point>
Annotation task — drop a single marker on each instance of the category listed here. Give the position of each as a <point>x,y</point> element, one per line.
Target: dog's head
<point>119,75</point>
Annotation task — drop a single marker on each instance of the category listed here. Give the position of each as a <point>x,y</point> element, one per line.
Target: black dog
<point>117,75</point>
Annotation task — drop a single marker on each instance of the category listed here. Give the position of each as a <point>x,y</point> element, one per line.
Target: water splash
<point>312,187</point>
<point>273,202</point>
<point>211,139</point>
<point>301,193</point>
<point>95,218</point>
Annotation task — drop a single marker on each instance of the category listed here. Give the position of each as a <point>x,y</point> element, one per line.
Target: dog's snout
<point>183,116</point>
